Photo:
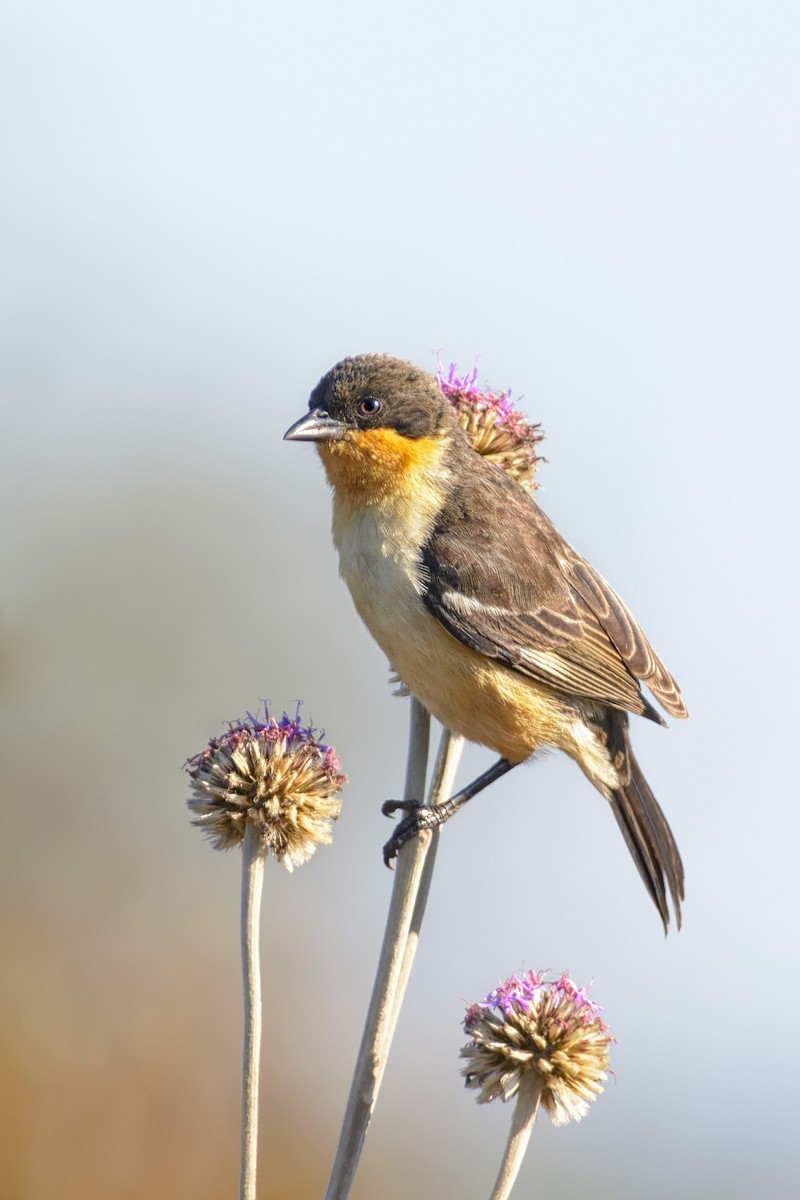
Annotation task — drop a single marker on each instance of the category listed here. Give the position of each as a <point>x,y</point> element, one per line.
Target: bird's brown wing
<point>623,631</point>
<point>502,580</point>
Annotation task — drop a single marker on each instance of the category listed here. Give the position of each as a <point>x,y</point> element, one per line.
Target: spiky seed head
<point>496,429</point>
<point>530,1023</point>
<point>274,773</point>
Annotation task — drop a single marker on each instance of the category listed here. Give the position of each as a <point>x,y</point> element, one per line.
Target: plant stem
<point>447,760</point>
<point>525,1110</point>
<point>406,909</point>
<point>253,858</point>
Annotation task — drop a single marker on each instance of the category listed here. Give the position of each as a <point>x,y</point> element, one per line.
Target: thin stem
<point>451,747</point>
<point>525,1110</point>
<point>253,858</point>
<point>406,909</point>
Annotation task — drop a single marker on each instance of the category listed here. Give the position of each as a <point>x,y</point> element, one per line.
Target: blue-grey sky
<point>202,207</point>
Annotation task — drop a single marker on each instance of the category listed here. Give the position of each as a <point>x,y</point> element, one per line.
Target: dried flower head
<point>496,429</point>
<point>273,773</point>
<point>534,1024</point>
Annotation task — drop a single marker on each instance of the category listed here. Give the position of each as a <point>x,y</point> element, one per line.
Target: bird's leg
<point>429,816</point>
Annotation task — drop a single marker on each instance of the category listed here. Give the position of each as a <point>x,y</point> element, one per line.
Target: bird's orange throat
<point>369,464</point>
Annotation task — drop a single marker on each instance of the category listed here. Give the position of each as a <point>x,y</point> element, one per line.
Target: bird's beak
<point>316,426</point>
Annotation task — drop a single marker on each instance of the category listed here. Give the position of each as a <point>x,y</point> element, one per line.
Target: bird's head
<point>372,392</point>
<point>375,419</point>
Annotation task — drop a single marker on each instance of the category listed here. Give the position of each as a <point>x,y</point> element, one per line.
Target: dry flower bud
<point>273,773</point>
<point>530,1023</point>
<point>497,430</point>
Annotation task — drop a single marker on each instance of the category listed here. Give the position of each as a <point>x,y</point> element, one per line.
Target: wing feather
<point>624,632</point>
<point>510,587</point>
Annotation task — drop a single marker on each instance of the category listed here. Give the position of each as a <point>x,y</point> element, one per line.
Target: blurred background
<point>203,206</point>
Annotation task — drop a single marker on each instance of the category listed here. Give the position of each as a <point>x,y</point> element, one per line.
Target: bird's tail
<point>645,829</point>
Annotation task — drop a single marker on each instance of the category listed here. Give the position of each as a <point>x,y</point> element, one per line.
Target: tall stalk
<point>253,857</point>
<point>414,869</point>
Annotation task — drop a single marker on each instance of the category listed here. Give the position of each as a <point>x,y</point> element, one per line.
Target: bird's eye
<point>369,406</point>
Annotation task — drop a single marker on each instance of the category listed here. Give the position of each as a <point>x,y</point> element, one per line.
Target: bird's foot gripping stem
<point>418,817</point>
<point>430,816</point>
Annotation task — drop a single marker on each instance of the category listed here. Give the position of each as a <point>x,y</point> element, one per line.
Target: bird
<point>503,631</point>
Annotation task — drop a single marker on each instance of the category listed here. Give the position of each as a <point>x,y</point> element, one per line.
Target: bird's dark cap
<point>372,391</point>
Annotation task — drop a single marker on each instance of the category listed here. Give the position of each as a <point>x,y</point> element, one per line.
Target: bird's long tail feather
<point>647,834</point>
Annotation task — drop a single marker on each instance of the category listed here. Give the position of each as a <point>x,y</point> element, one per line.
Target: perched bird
<point>503,631</point>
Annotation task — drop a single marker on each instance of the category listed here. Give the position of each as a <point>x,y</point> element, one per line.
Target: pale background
<point>202,207</point>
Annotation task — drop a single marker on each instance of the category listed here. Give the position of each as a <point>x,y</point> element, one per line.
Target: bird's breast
<point>380,561</point>
<point>380,525</point>
<point>469,693</point>
<point>387,494</point>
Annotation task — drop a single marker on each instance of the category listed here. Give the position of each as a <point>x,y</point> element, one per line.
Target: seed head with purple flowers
<point>497,430</point>
<point>274,773</point>
<point>530,1023</point>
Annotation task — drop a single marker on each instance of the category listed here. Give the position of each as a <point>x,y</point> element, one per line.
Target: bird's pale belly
<point>469,693</point>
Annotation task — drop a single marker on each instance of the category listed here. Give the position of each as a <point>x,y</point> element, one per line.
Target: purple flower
<point>552,1027</point>
<point>275,773</point>
<point>496,429</point>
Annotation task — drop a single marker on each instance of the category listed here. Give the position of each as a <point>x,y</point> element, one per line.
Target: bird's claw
<point>419,817</point>
<point>390,807</point>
